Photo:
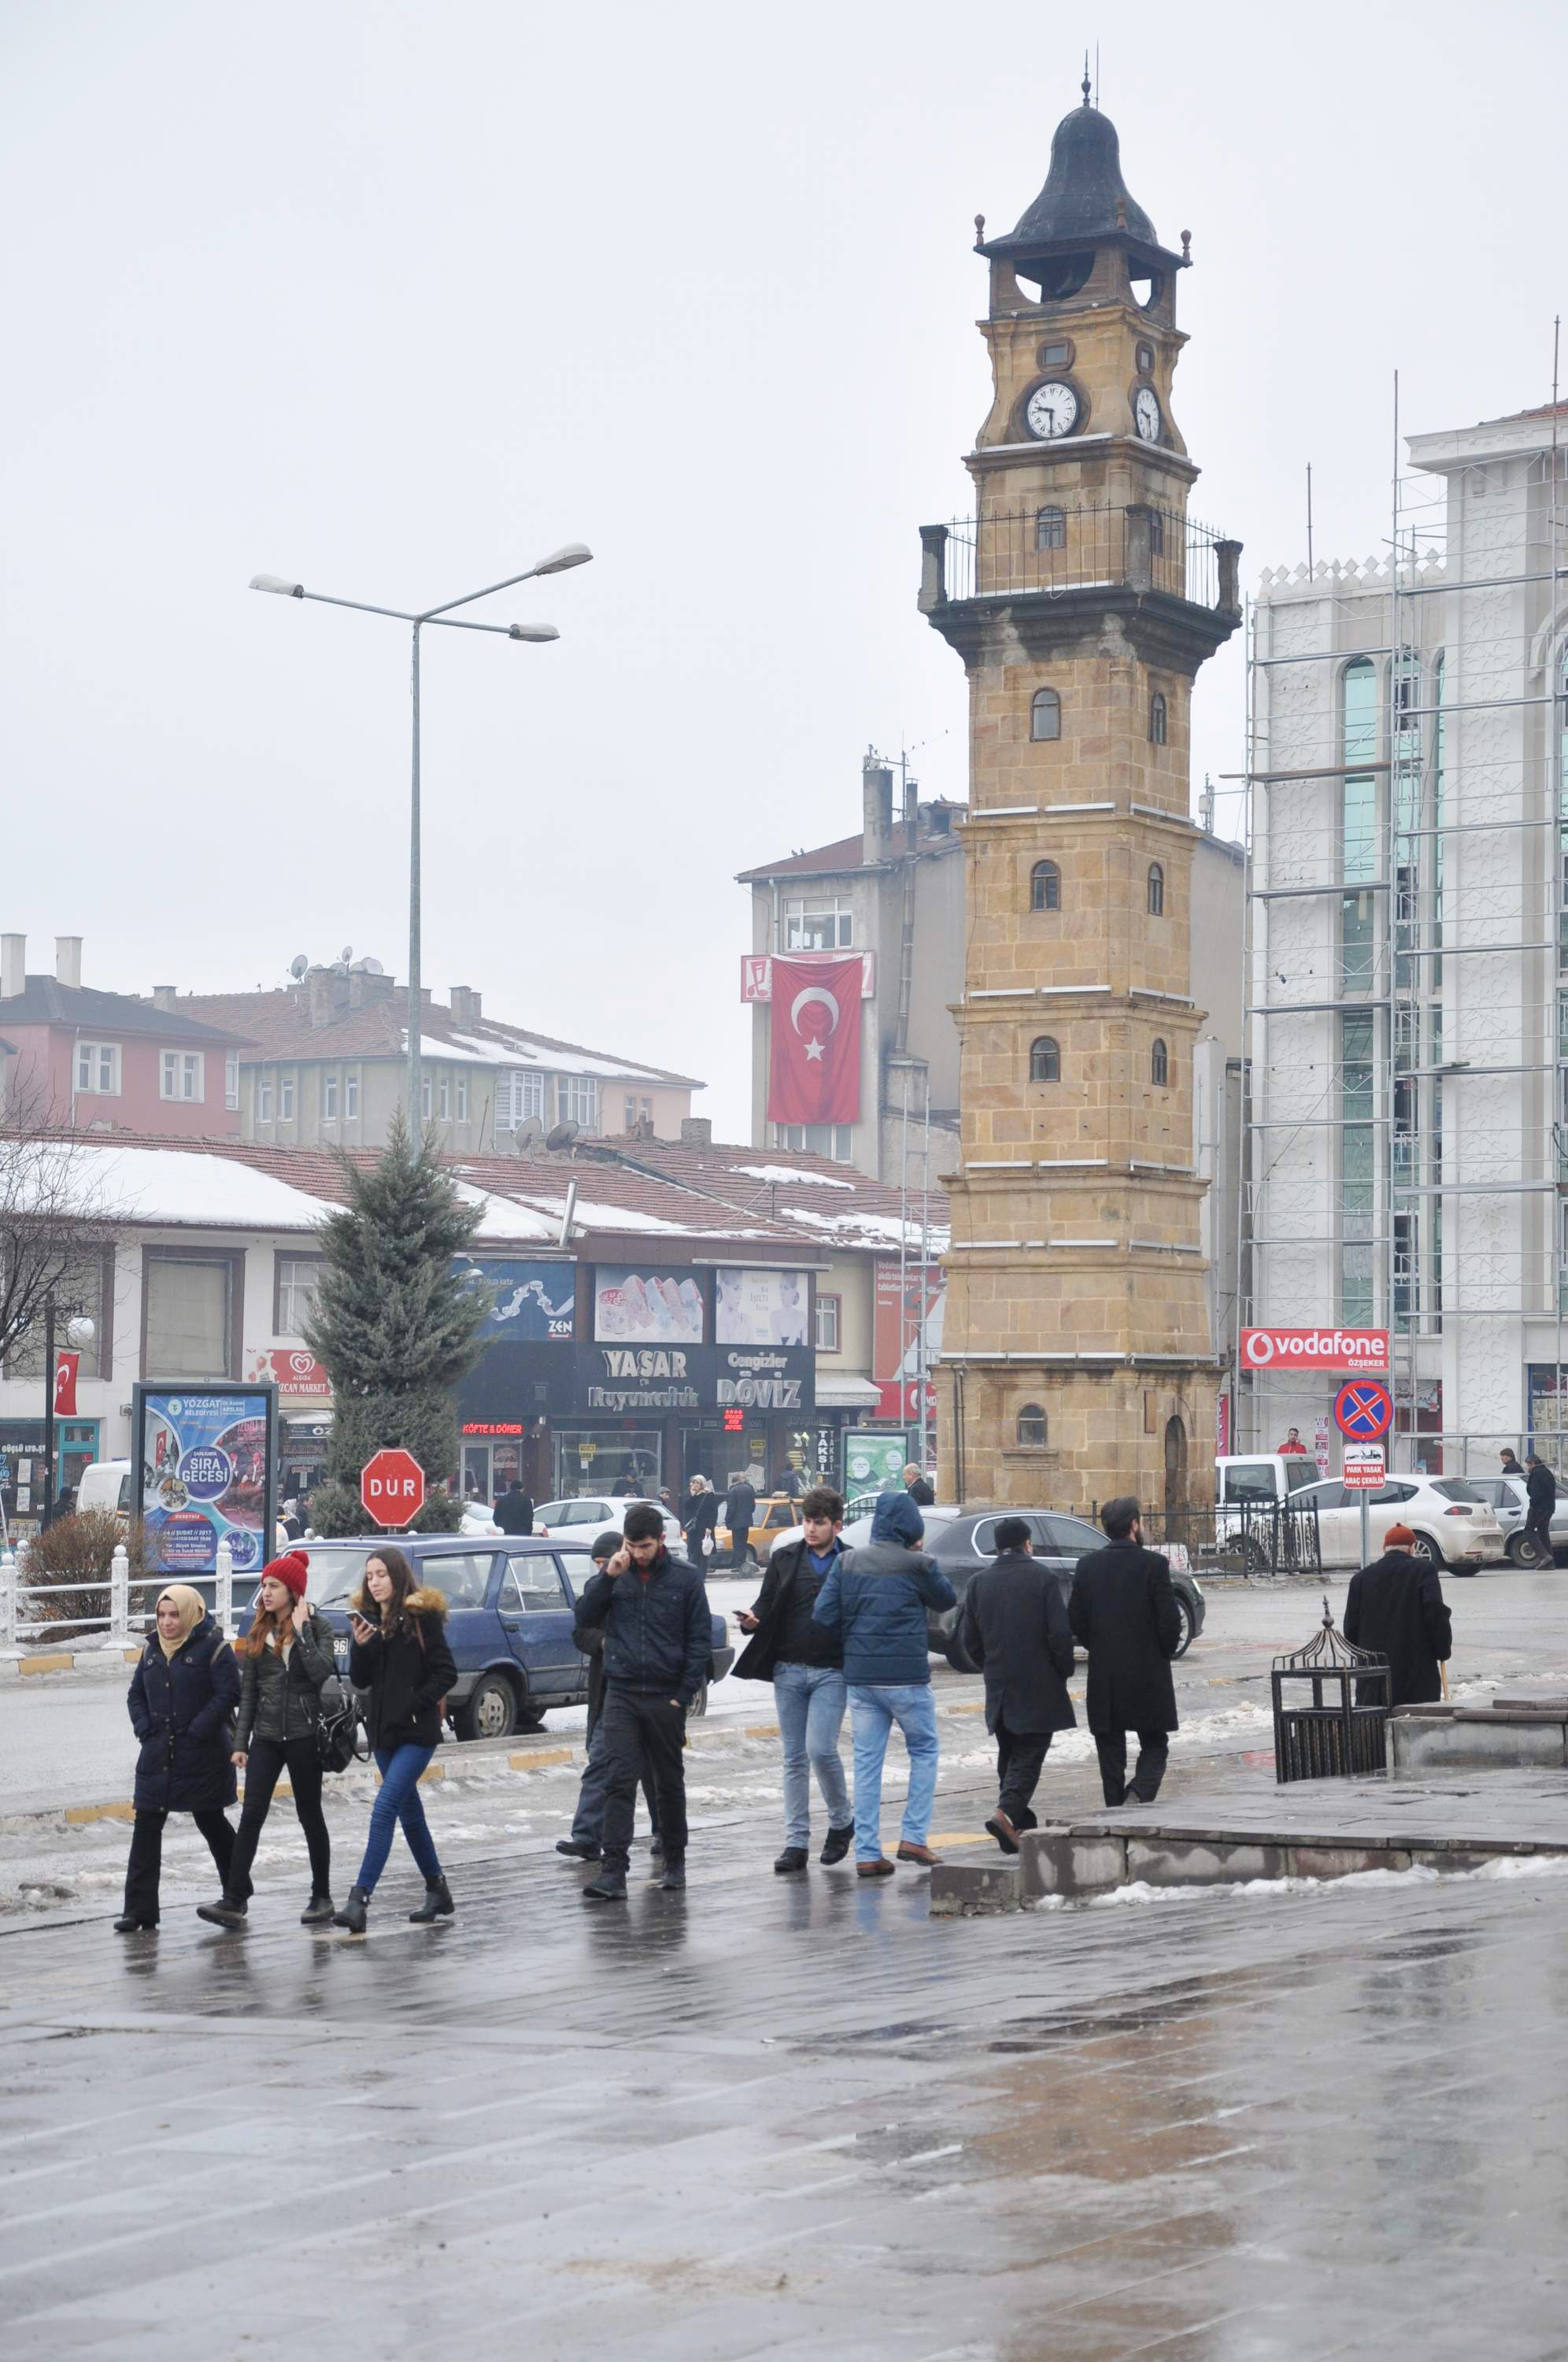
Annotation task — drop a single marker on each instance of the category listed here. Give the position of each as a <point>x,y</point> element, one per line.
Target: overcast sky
<point>392,298</point>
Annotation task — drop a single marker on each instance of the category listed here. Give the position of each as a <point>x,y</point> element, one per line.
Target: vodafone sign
<point>1355,1350</point>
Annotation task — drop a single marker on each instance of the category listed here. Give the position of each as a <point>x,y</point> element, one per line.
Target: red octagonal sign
<point>391,1486</point>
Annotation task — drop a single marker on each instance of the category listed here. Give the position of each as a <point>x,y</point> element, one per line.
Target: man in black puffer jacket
<point>658,1643</point>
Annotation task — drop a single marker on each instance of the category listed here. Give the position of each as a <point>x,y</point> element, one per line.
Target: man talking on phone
<point>659,1644</point>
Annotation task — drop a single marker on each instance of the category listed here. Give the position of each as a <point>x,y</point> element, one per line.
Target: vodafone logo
<point>1355,1350</point>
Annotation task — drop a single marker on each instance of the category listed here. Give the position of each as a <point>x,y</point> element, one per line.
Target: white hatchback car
<point>586,1515</point>
<point>1455,1523</point>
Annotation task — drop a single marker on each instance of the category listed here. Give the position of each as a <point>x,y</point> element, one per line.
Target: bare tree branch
<point>57,1217</point>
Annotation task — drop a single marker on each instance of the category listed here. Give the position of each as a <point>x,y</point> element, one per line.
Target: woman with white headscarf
<point>182,1694</point>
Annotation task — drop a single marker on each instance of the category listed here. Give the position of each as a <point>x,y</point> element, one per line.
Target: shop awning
<point>847,1394</point>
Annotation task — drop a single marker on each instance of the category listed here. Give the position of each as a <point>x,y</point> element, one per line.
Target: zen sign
<point>391,1486</point>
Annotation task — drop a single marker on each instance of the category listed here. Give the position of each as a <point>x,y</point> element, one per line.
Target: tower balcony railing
<point>1050,551</point>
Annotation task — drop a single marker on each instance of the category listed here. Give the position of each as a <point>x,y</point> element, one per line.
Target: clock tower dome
<point>1077,1357</point>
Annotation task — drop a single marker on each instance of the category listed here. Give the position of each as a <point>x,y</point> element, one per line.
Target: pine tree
<point>396,1325</point>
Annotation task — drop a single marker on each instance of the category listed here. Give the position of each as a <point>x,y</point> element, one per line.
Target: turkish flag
<point>65,1368</point>
<point>814,1065</point>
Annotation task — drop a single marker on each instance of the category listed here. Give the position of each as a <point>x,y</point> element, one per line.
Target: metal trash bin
<point>1337,1733</point>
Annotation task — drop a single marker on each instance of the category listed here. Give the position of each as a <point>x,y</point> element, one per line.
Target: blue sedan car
<point>510,1606</point>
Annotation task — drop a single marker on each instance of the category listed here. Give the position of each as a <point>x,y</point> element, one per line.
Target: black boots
<point>838,1843</point>
<point>578,1850</point>
<point>793,1857</point>
<point>610,1886</point>
<point>674,1879</point>
<point>354,1912</point>
<point>128,1924</point>
<point>437,1903</point>
<point>317,1912</point>
<point>228,1911</point>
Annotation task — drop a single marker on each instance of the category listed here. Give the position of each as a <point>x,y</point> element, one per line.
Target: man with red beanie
<point>1396,1607</point>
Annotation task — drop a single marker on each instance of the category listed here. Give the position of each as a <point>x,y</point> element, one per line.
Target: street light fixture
<point>283,586</point>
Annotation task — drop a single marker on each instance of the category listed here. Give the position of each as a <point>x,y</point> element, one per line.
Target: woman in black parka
<point>182,1696</point>
<point>401,1656</point>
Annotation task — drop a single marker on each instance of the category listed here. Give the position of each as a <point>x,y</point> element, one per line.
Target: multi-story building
<point>1409,1034</point>
<point>72,1055</point>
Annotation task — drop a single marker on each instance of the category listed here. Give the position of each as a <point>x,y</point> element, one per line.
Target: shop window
<point>1045,1061</point>
<point>1045,887</point>
<point>1045,714</point>
<point>1032,1428</point>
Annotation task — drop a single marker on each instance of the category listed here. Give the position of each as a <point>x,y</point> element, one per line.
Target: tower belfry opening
<point>1082,597</point>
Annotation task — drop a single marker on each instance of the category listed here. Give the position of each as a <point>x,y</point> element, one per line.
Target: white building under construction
<point>1408,1009</point>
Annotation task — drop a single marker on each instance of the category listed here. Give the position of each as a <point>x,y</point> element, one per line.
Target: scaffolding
<point>1405,1157</point>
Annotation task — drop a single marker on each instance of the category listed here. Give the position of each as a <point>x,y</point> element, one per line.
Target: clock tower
<point>1077,1357</point>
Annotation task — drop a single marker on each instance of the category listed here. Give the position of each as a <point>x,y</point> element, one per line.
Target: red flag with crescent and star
<point>815,1066</point>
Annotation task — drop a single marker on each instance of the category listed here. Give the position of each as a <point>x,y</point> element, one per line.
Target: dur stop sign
<point>391,1486</point>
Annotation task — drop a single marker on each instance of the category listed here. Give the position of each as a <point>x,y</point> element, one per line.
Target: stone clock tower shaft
<point>1077,1359</point>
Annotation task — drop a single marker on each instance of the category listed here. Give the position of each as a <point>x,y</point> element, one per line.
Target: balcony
<point>1048,552</point>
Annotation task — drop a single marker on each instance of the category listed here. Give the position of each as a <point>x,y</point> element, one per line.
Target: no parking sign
<point>1363,1411</point>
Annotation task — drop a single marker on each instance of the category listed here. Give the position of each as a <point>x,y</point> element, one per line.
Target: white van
<point>105,1485</point>
<point>1260,1478</point>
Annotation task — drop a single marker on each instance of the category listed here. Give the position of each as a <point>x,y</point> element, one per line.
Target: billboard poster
<point>206,1455</point>
<point>874,1464</point>
<point>895,1338</point>
<point>532,1302</point>
<point>646,1307</point>
<point>762,1307</point>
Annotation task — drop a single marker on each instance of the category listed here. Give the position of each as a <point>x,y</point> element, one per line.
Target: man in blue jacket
<point>659,1644</point>
<point>876,1599</point>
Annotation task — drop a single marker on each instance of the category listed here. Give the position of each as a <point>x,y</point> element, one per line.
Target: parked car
<point>587,1514</point>
<point>1510,1502</point>
<point>104,1484</point>
<point>510,1613</point>
<point>777,1518</point>
<point>1455,1523</point>
<point>963,1540</point>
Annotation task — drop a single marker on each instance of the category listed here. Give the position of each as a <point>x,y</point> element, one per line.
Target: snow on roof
<point>790,1174</point>
<point>172,1184</point>
<point>505,1218</point>
<point>589,1215</point>
<point>867,1230</point>
<point>523,1050</point>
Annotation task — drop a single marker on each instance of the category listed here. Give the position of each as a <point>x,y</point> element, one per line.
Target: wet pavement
<point>784,2119</point>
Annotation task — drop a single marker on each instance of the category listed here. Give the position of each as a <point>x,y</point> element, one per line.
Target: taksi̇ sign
<point>1351,1350</point>
<point>391,1486</point>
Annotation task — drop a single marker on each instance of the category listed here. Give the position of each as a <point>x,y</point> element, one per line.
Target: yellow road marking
<point>79,1813</point>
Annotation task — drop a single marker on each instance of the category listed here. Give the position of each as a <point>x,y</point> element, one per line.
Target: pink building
<point>77,1057</point>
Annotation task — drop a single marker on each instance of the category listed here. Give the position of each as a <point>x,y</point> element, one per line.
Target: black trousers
<point>264,1767</point>
<point>638,1730</point>
<point>740,1545</point>
<point>146,1858</point>
<point>1020,1758</point>
<point>1537,1525</point>
<point>1153,1750</point>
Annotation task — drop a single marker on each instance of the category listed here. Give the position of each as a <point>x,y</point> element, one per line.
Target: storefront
<point>22,1466</point>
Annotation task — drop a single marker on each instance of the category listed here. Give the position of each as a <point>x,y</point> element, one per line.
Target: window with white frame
<point>462,1098</point>
<point>424,1098</point>
<point>297,1279</point>
<point>827,1324</point>
<point>818,923</point>
<point>329,1097</point>
<point>183,1075</point>
<point>285,1098</point>
<point>519,1095</point>
<point>264,1095</point>
<point>98,1068</point>
<point>444,1098</point>
<point>231,1079</point>
<point>817,1139</point>
<point>575,1099</point>
<point>352,1095</point>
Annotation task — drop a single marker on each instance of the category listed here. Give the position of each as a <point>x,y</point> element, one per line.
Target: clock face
<point>1052,410</point>
<point>1146,414</point>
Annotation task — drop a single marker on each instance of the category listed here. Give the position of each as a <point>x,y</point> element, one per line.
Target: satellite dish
<point>529,1132</point>
<point>561,1137</point>
<point>298,965</point>
<point>347,954</point>
<point>372,968</point>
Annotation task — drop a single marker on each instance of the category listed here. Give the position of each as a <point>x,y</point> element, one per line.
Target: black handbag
<point>340,1727</point>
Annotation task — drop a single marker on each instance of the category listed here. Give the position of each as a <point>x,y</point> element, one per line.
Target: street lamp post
<point>574,553</point>
<point>78,1331</point>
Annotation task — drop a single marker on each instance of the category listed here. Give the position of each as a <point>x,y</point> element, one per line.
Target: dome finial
<point>1085,85</point>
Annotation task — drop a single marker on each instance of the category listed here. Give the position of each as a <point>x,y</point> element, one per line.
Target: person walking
<point>586,1842</point>
<point>740,1508</point>
<point>917,1484</point>
<point>700,1516</point>
<point>805,1665</point>
<point>286,1661</point>
<point>514,1511</point>
<point>659,1645</point>
<point>1015,1628</point>
<point>1510,1463</point>
<point>875,1602</point>
<point>1123,1611</point>
<point>1541,1486</point>
<point>400,1655</point>
<point>1396,1608</point>
<point>185,1688</point>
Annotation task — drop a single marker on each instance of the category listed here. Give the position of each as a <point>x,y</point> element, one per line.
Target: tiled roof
<point>279,1024</point>
<point>1545,410</point>
<point>43,1000</point>
<point>832,1204</point>
<point>849,853</point>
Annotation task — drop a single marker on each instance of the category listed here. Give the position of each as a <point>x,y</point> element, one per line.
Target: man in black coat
<point>1541,1486</point>
<point>1396,1607</point>
<point>1123,1611</point>
<point>740,1508</point>
<point>1014,1626</point>
<point>1510,1462</point>
<point>917,1484</point>
<point>514,1511</point>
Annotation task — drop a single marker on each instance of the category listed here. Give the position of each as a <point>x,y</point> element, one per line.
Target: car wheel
<point>1516,1552</point>
<point>1185,1612</point>
<point>699,1703</point>
<point>490,1710</point>
<point>1425,1549</point>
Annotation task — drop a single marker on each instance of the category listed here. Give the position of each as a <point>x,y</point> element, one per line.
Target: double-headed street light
<point>573,553</point>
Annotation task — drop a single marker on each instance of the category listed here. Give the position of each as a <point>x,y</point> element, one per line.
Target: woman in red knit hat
<point>286,1659</point>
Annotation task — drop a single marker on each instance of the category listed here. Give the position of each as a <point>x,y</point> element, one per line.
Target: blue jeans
<point>810,1700</point>
<point>874,1707</point>
<point>398,1799</point>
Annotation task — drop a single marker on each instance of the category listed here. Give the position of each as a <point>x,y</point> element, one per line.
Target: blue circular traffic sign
<point>1363,1411</point>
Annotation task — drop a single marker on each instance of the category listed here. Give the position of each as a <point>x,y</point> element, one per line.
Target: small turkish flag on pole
<point>65,1368</point>
<point>814,1065</point>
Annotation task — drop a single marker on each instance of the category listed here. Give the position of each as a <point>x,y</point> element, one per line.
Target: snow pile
<point>786,1173</point>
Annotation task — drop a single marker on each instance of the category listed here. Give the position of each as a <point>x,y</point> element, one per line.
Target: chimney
<point>328,995</point>
<point>13,965</point>
<point>876,798</point>
<point>163,998</point>
<point>696,1132</point>
<point>68,960</point>
<point>465,1005</point>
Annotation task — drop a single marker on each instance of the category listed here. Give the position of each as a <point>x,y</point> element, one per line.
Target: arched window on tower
<point>1045,1061</point>
<point>1044,886</point>
<point>1156,890</point>
<point>1032,1428</point>
<point>1050,528</point>
<point>1157,718</point>
<point>1045,714</point>
<point>1160,1065</point>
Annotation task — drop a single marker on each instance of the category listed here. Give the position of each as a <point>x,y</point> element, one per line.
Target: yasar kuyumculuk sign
<point>626,1378</point>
